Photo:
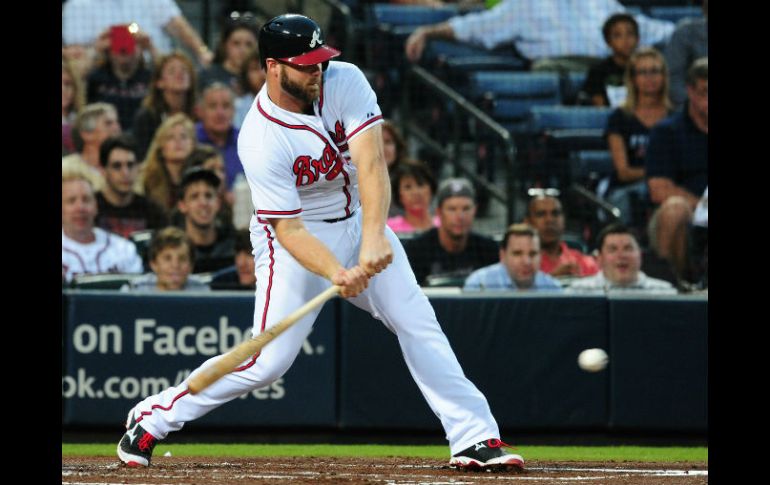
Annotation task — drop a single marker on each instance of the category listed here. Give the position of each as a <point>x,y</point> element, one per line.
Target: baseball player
<point>311,147</point>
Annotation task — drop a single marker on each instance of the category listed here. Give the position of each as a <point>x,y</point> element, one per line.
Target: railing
<point>417,74</point>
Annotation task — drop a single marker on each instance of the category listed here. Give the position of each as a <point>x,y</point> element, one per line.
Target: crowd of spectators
<point>151,116</point>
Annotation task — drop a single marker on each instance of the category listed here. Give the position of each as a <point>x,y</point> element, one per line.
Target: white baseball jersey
<point>109,253</point>
<point>298,165</point>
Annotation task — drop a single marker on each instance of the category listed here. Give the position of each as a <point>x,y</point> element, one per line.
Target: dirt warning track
<point>380,471</point>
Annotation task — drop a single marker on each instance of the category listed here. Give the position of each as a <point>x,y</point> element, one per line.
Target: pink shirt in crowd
<point>400,225</point>
<point>587,264</point>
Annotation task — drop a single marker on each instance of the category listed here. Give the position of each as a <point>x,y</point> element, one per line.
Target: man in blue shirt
<point>676,167</point>
<point>216,109</point>
<point>519,265</point>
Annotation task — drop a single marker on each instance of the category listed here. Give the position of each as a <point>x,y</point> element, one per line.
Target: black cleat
<point>487,455</point>
<point>136,445</point>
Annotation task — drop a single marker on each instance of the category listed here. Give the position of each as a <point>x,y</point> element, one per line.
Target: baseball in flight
<point>593,360</point>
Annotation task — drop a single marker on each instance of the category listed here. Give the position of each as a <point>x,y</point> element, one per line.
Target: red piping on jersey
<point>286,125</point>
<point>325,140</point>
<point>267,295</point>
<point>367,123</point>
<point>99,254</point>
<point>270,278</point>
<point>82,263</point>
<point>158,406</point>
<point>279,213</point>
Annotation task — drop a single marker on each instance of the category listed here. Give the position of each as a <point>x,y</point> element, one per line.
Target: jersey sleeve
<point>273,190</point>
<point>359,108</point>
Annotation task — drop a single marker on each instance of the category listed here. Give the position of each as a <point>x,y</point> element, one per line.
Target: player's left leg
<point>395,298</point>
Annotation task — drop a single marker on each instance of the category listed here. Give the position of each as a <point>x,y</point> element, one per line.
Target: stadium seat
<point>565,129</point>
<point>509,97</point>
<point>517,84</point>
<point>107,281</point>
<point>675,13</point>
<point>141,240</point>
<point>571,84</point>
<point>441,281</point>
<point>570,117</point>
<point>591,164</point>
<point>387,14</point>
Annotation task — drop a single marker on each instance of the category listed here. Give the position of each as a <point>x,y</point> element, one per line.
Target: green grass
<point>530,453</point>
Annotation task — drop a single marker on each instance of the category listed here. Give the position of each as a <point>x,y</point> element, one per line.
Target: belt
<point>340,218</point>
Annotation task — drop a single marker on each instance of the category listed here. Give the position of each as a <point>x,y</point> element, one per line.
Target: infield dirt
<point>401,471</point>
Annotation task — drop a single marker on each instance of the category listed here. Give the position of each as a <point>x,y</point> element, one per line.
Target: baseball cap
<point>455,187</point>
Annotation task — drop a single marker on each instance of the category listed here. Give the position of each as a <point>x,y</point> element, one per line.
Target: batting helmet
<point>295,39</point>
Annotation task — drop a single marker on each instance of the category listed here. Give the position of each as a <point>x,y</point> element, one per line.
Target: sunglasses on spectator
<point>543,192</point>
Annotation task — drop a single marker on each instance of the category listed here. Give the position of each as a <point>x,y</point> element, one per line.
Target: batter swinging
<point>311,138</point>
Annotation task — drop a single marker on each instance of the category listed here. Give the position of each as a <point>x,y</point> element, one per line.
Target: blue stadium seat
<point>486,63</point>
<point>675,13</point>
<point>570,117</point>
<point>517,84</point>
<point>446,48</point>
<point>411,14</point>
<point>571,85</point>
<point>587,164</point>
<point>564,130</point>
<point>510,96</point>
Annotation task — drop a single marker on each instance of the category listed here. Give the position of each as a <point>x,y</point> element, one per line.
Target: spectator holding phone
<point>121,77</point>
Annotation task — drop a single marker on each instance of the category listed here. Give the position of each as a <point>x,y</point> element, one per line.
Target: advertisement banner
<point>122,347</point>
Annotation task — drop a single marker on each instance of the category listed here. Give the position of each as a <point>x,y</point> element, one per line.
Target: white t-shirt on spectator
<point>108,253</point>
<point>552,28</point>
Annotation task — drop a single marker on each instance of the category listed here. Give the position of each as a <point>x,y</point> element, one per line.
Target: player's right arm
<point>314,256</point>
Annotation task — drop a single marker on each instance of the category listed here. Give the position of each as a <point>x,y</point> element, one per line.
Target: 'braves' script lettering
<point>339,137</point>
<point>308,170</point>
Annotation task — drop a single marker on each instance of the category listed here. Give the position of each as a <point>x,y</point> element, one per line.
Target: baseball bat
<point>244,350</point>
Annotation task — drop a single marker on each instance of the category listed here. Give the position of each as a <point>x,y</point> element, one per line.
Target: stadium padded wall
<point>520,351</point>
